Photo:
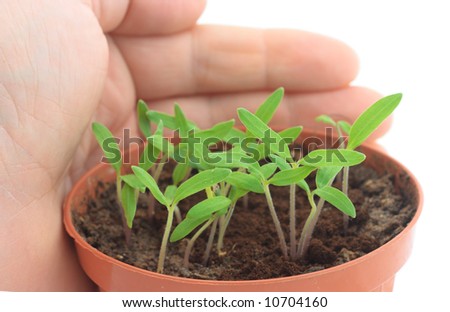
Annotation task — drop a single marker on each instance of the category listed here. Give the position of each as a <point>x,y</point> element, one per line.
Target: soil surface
<point>251,243</point>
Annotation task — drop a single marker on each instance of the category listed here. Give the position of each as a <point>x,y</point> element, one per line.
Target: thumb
<point>52,68</point>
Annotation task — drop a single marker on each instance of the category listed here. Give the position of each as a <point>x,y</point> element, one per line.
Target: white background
<point>403,46</point>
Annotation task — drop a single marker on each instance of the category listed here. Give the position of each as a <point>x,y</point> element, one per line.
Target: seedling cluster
<point>249,161</point>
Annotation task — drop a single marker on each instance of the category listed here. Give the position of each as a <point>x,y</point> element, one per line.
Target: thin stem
<point>344,178</point>
<point>341,145</point>
<point>160,167</point>
<point>126,229</point>
<point>345,191</point>
<point>188,250</point>
<point>223,190</point>
<point>229,214</point>
<point>276,221</point>
<point>119,187</point>
<point>292,220</point>
<point>162,251</point>
<point>227,188</point>
<point>156,173</point>
<point>177,214</point>
<point>223,228</point>
<point>209,192</point>
<point>308,228</point>
<point>225,220</point>
<point>245,199</point>
<point>210,241</point>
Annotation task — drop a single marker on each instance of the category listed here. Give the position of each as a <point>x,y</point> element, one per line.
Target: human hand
<point>66,63</point>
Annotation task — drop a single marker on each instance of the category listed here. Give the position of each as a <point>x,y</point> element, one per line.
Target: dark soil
<point>251,244</point>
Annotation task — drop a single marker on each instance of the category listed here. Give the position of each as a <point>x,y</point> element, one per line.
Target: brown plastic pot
<point>372,272</point>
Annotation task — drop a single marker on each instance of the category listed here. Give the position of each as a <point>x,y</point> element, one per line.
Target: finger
<point>229,59</point>
<point>296,108</point>
<point>159,17</point>
<point>147,17</point>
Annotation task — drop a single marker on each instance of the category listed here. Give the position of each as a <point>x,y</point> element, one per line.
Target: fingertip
<point>110,13</point>
<point>317,62</point>
<point>348,69</point>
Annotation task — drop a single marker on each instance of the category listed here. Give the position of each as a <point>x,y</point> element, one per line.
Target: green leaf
<point>236,193</point>
<point>108,145</point>
<point>198,214</point>
<point>151,184</point>
<point>215,134</point>
<point>326,175</point>
<point>326,120</point>
<point>332,157</point>
<point>336,198</point>
<point>268,170</point>
<point>168,120</point>
<point>129,203</point>
<point>149,157</point>
<point>162,144</point>
<point>304,186</point>
<point>234,136</point>
<point>259,129</point>
<point>255,169</point>
<point>208,206</point>
<point>199,182</point>
<point>190,152</point>
<point>290,176</point>
<point>180,172</point>
<point>144,123</point>
<point>229,159</point>
<point>170,191</point>
<point>185,227</point>
<point>284,165</point>
<point>262,173</point>
<point>266,111</point>
<point>134,182</point>
<point>345,126</point>
<point>371,119</point>
<point>262,150</point>
<point>291,134</point>
<point>159,129</point>
<point>255,150</point>
<point>245,182</point>
<point>280,162</point>
<point>182,122</point>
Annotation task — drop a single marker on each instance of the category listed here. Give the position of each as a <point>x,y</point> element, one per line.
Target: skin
<point>66,63</point>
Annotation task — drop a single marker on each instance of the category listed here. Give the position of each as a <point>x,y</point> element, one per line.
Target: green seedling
<point>128,186</point>
<point>157,151</point>
<point>357,133</point>
<point>292,172</point>
<point>202,181</point>
<point>127,195</point>
<point>194,144</point>
<point>202,214</point>
<point>250,161</point>
<point>143,121</point>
